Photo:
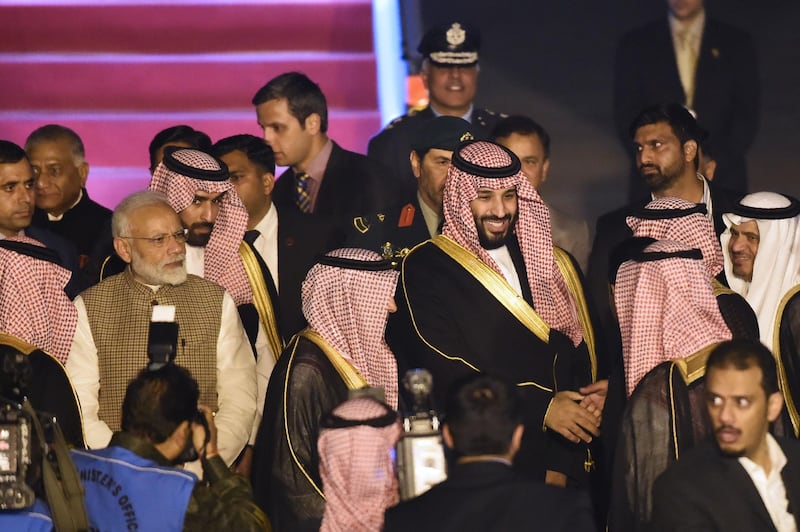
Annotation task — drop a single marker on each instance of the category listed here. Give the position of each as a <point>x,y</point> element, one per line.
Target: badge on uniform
<point>406,216</point>
<point>360,224</point>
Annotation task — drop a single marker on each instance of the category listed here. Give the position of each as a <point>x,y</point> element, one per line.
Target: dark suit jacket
<point>352,185</point>
<point>726,88</point>
<point>300,239</point>
<point>392,146</point>
<point>709,492</point>
<point>83,225</point>
<point>490,496</point>
<point>68,256</point>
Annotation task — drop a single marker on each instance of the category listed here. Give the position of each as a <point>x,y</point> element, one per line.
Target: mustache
<point>490,218</point>
<point>198,225</point>
<point>728,428</point>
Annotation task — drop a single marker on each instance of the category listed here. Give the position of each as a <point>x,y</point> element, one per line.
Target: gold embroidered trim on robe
<point>791,407</point>
<point>693,367</point>
<point>575,288</point>
<point>498,287</point>
<point>349,374</point>
<point>25,348</point>
<point>261,298</point>
<point>719,288</point>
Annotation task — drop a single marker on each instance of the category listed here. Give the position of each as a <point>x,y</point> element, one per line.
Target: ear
<point>516,440</point>
<point>545,169</point>
<point>173,446</point>
<point>123,249</point>
<point>447,436</point>
<point>710,169</point>
<point>416,163</point>
<point>774,406</point>
<point>689,150</point>
<point>313,123</point>
<point>268,182</point>
<point>423,74</point>
<point>83,171</point>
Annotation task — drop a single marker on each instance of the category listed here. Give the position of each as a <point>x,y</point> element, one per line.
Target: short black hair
<point>521,125</point>
<point>55,132</point>
<point>744,354</point>
<point>482,414</point>
<point>303,97</point>
<point>680,120</point>
<point>182,133</point>
<point>11,153</point>
<point>254,147</point>
<point>157,401</point>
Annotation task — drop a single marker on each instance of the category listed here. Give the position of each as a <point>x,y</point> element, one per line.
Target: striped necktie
<point>302,198</point>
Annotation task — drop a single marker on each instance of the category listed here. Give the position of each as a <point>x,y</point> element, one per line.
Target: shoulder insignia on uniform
<point>381,217</point>
<point>416,109</point>
<point>360,224</point>
<point>406,216</point>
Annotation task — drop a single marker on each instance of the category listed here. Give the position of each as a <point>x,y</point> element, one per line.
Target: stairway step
<point>176,82</point>
<point>177,27</point>
<point>122,139</point>
<point>107,185</point>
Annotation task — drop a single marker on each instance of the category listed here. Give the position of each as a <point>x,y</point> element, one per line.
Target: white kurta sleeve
<point>84,373</point>
<point>236,384</point>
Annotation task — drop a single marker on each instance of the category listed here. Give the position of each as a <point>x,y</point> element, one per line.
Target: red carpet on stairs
<point>118,72</point>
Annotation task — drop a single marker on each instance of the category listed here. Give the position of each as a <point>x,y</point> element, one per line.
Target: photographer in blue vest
<point>134,483</point>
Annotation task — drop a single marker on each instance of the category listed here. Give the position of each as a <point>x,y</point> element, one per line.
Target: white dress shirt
<point>267,242</point>
<point>503,259</point>
<point>770,486</point>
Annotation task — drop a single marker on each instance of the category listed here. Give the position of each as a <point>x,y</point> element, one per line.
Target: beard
<point>159,274</point>
<point>198,237</point>
<point>489,240</point>
<point>659,179</point>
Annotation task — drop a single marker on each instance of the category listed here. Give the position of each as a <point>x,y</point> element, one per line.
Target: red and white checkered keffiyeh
<point>551,298</point>
<point>356,468</point>
<point>33,305</point>
<point>222,263</point>
<point>695,230</point>
<point>666,310</point>
<point>348,308</point>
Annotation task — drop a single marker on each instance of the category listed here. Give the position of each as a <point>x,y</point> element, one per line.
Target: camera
<point>15,433</point>
<point>421,460</point>
<point>162,348</point>
<point>15,457</point>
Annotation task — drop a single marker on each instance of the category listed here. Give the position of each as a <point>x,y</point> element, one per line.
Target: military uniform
<point>400,228</point>
<point>392,146</point>
<point>446,46</point>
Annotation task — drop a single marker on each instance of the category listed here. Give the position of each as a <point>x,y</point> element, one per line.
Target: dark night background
<point>553,61</point>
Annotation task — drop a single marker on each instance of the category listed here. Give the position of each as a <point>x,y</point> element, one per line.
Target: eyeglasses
<point>161,240</point>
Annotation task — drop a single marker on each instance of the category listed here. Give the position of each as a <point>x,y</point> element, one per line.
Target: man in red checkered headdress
<point>197,187</point>
<point>33,305</point>
<point>491,294</point>
<point>347,297</point>
<point>669,322</point>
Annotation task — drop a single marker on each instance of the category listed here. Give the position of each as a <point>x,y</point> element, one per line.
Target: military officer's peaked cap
<point>451,45</point>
